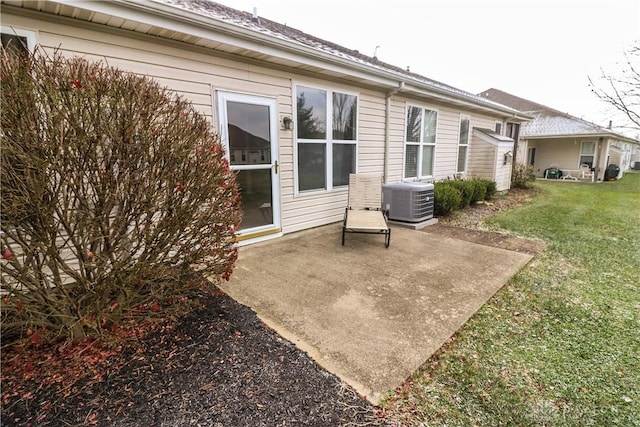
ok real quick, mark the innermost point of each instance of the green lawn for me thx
(559, 345)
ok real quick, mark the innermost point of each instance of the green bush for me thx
(479, 189)
(113, 189)
(465, 187)
(451, 195)
(491, 189)
(522, 176)
(447, 198)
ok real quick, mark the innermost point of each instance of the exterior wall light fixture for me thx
(287, 123)
(507, 157)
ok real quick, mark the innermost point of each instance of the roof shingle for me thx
(246, 20)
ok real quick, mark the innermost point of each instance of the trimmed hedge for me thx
(451, 195)
(447, 198)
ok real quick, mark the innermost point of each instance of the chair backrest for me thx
(586, 170)
(365, 191)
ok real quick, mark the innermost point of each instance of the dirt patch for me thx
(468, 224)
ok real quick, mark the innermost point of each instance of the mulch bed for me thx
(217, 366)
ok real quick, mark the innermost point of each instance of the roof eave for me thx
(180, 20)
(583, 135)
(487, 137)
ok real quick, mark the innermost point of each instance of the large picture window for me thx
(420, 142)
(326, 130)
(463, 144)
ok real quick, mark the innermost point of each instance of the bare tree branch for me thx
(622, 92)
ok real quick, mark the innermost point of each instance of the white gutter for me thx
(583, 136)
(172, 18)
(387, 129)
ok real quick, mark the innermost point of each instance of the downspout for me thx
(387, 129)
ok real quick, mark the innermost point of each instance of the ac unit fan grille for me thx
(408, 203)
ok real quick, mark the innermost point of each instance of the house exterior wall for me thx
(502, 171)
(198, 74)
(522, 151)
(447, 137)
(484, 159)
(635, 156)
(566, 153)
(488, 162)
(560, 151)
(626, 156)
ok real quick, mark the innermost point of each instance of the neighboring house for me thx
(556, 138)
(297, 114)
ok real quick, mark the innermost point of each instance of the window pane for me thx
(344, 163)
(255, 196)
(464, 131)
(587, 160)
(588, 147)
(311, 167)
(498, 127)
(344, 116)
(430, 120)
(414, 121)
(14, 43)
(462, 158)
(427, 160)
(513, 130)
(312, 113)
(249, 133)
(411, 161)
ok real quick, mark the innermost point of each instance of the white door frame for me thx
(271, 103)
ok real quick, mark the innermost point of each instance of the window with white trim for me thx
(420, 142)
(587, 152)
(17, 39)
(498, 128)
(326, 131)
(463, 144)
(513, 131)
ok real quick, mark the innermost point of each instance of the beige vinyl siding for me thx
(197, 73)
(487, 161)
(315, 208)
(482, 162)
(502, 173)
(523, 152)
(447, 143)
(446, 152)
(371, 123)
(397, 119)
(563, 152)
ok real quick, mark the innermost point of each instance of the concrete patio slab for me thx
(368, 314)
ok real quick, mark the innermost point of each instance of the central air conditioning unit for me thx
(408, 201)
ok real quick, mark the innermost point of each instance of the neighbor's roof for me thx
(549, 122)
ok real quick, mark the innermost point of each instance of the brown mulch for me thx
(217, 365)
